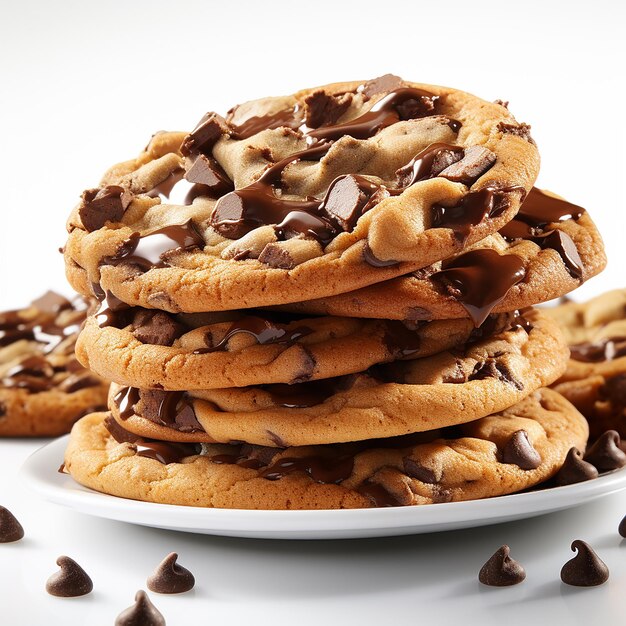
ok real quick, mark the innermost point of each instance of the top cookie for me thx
(301, 197)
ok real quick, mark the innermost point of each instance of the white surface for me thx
(347, 524)
(84, 84)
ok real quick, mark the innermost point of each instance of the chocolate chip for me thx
(428, 163)
(413, 469)
(614, 390)
(205, 135)
(100, 206)
(169, 577)
(323, 109)
(501, 570)
(586, 569)
(519, 451)
(414, 108)
(560, 241)
(575, 469)
(371, 259)
(143, 613)
(276, 439)
(605, 454)
(156, 327)
(3, 409)
(502, 103)
(621, 529)
(308, 366)
(70, 581)
(519, 130)
(347, 199)
(206, 171)
(382, 84)
(475, 162)
(492, 368)
(10, 529)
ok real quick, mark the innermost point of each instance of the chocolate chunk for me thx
(501, 570)
(575, 469)
(173, 409)
(169, 577)
(276, 439)
(382, 84)
(10, 529)
(622, 527)
(519, 130)
(413, 469)
(323, 109)
(502, 103)
(492, 368)
(206, 171)
(605, 454)
(347, 199)
(428, 163)
(142, 613)
(156, 327)
(475, 162)
(51, 302)
(205, 135)
(100, 206)
(586, 569)
(519, 451)
(560, 241)
(70, 581)
(371, 259)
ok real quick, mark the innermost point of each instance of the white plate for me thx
(40, 473)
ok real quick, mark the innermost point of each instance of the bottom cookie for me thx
(503, 453)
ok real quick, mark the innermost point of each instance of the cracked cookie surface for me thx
(43, 388)
(301, 197)
(515, 449)
(450, 387)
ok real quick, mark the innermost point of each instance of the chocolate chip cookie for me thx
(150, 348)
(451, 387)
(506, 452)
(595, 379)
(43, 388)
(549, 249)
(299, 197)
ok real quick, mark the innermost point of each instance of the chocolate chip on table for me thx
(169, 577)
(622, 527)
(575, 469)
(143, 613)
(605, 454)
(99, 206)
(70, 581)
(10, 529)
(586, 569)
(501, 570)
(519, 451)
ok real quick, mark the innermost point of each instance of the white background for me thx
(85, 84)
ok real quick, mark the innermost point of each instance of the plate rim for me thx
(260, 521)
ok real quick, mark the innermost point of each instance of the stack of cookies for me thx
(324, 301)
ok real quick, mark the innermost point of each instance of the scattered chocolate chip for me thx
(519, 130)
(99, 206)
(606, 454)
(519, 451)
(501, 570)
(156, 327)
(142, 613)
(205, 135)
(323, 109)
(70, 581)
(413, 469)
(348, 198)
(169, 577)
(575, 469)
(382, 84)
(621, 529)
(475, 162)
(586, 569)
(10, 529)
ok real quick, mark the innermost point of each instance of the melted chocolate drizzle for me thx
(263, 330)
(480, 280)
